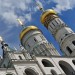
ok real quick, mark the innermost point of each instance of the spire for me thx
(22, 48)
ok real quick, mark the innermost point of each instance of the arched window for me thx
(73, 42)
(29, 71)
(69, 50)
(66, 34)
(67, 68)
(47, 63)
(35, 39)
(20, 57)
(53, 72)
(73, 62)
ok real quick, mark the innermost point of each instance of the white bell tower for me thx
(61, 32)
(33, 40)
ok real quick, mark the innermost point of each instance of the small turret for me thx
(4, 46)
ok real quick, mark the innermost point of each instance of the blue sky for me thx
(28, 12)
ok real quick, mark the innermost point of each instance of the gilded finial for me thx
(20, 22)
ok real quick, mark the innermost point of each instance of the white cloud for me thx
(9, 10)
(9, 17)
(64, 5)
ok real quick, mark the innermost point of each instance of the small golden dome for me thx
(47, 12)
(27, 29)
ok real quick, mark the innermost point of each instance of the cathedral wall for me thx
(31, 66)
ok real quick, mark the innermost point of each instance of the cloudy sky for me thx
(28, 12)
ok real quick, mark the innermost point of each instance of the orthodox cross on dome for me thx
(39, 4)
(21, 23)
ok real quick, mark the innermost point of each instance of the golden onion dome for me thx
(27, 29)
(47, 12)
